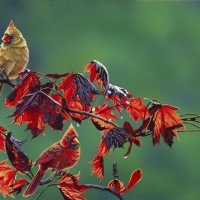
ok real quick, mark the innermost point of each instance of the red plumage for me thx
(62, 154)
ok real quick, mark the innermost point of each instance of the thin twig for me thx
(188, 131)
(190, 114)
(192, 124)
(8, 81)
(47, 78)
(28, 175)
(55, 184)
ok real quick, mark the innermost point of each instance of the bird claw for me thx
(5, 78)
(2, 70)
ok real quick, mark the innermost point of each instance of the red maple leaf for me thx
(98, 161)
(98, 166)
(164, 121)
(38, 109)
(71, 188)
(119, 185)
(99, 72)
(2, 139)
(78, 85)
(18, 185)
(7, 178)
(104, 111)
(137, 109)
(118, 96)
(30, 83)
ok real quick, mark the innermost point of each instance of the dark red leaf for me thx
(38, 109)
(134, 139)
(16, 156)
(129, 149)
(134, 179)
(116, 136)
(78, 85)
(99, 72)
(29, 84)
(118, 96)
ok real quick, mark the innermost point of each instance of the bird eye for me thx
(13, 36)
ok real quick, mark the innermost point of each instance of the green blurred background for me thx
(150, 48)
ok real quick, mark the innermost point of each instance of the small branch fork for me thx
(191, 119)
(97, 187)
(89, 186)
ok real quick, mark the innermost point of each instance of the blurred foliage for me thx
(151, 49)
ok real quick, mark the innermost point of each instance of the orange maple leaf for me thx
(71, 188)
(164, 121)
(7, 178)
(78, 105)
(104, 111)
(137, 109)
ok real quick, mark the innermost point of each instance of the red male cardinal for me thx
(14, 53)
(62, 154)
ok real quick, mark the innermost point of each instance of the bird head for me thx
(70, 138)
(12, 35)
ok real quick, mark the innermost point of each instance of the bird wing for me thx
(50, 154)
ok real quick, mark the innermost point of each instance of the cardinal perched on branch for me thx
(14, 53)
(62, 154)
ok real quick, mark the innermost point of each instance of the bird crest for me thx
(11, 25)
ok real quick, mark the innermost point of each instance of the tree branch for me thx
(97, 187)
(5, 78)
(91, 115)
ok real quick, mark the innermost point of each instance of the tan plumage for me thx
(14, 53)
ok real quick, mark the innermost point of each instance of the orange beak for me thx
(75, 141)
(6, 38)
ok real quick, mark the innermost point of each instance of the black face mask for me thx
(71, 145)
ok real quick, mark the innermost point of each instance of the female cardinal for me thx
(14, 53)
(62, 154)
